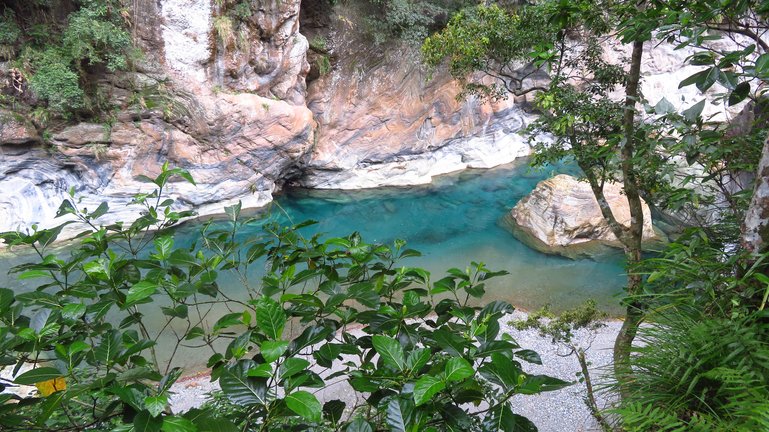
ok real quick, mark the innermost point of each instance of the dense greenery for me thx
(408, 20)
(681, 162)
(56, 57)
(423, 356)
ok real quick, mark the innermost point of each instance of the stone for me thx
(561, 216)
(16, 130)
(382, 121)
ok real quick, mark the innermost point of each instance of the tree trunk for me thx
(755, 233)
(633, 236)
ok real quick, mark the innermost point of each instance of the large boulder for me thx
(561, 216)
(16, 130)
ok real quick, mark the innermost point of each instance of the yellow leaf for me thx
(47, 388)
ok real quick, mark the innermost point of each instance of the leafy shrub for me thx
(408, 20)
(701, 373)
(422, 357)
(9, 30)
(55, 82)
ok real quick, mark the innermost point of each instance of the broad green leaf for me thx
(390, 350)
(140, 291)
(664, 107)
(417, 359)
(37, 375)
(740, 93)
(333, 410)
(73, 311)
(359, 424)
(145, 422)
(305, 404)
(502, 419)
(692, 113)
(399, 415)
(272, 350)
(293, 366)
(240, 388)
(177, 424)
(762, 65)
(529, 355)
(270, 317)
(426, 387)
(458, 369)
(156, 404)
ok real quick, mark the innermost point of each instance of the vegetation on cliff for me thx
(56, 46)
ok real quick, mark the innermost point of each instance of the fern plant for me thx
(699, 373)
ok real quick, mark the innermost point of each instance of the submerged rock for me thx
(561, 216)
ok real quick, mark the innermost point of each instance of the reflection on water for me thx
(453, 221)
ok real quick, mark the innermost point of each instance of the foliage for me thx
(9, 30)
(58, 56)
(408, 20)
(700, 373)
(422, 353)
(55, 82)
(560, 327)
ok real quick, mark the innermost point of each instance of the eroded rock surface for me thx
(176, 108)
(381, 121)
(561, 216)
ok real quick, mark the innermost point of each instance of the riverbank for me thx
(559, 411)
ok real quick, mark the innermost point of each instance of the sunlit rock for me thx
(561, 216)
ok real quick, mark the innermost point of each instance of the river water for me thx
(453, 221)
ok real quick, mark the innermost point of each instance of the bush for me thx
(700, 373)
(423, 355)
(55, 82)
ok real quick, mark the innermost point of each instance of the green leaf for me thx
(73, 311)
(270, 317)
(140, 291)
(740, 93)
(502, 419)
(692, 113)
(156, 404)
(240, 388)
(293, 366)
(399, 414)
(711, 77)
(359, 424)
(272, 350)
(664, 107)
(529, 355)
(37, 375)
(333, 410)
(145, 422)
(100, 211)
(305, 404)
(762, 65)
(417, 359)
(458, 369)
(426, 387)
(390, 351)
(177, 424)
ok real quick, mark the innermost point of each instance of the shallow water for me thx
(453, 221)
(456, 220)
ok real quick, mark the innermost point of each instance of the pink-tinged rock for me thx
(561, 216)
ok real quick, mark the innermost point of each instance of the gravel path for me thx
(557, 411)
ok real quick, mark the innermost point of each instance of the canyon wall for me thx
(234, 109)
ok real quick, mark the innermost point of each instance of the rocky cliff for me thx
(229, 102)
(234, 116)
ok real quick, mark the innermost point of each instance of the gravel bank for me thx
(558, 411)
